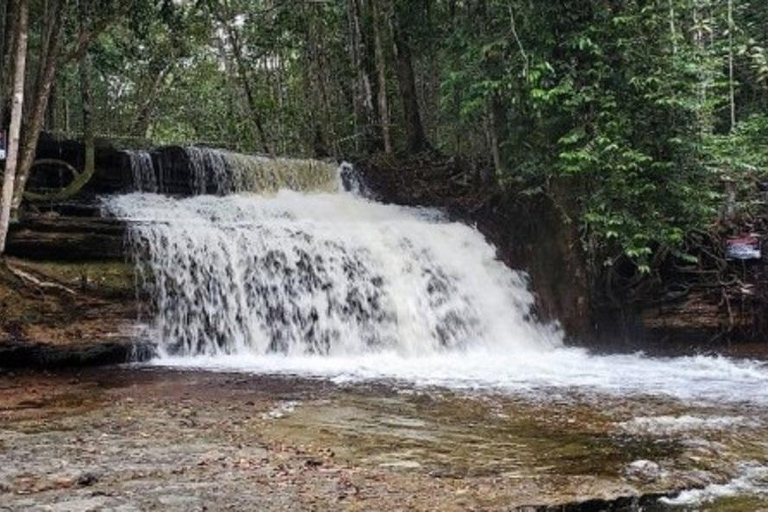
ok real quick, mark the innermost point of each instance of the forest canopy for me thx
(646, 106)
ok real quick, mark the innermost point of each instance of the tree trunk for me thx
(363, 91)
(381, 75)
(9, 44)
(242, 69)
(40, 102)
(416, 140)
(50, 112)
(86, 98)
(492, 139)
(672, 27)
(143, 116)
(731, 85)
(12, 160)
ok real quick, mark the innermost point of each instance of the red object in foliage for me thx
(743, 248)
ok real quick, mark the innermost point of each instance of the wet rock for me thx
(179, 501)
(645, 471)
(79, 505)
(87, 479)
(401, 464)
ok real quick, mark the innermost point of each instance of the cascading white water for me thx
(216, 171)
(221, 172)
(142, 171)
(322, 274)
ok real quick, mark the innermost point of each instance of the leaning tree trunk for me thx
(242, 68)
(363, 92)
(143, 116)
(416, 139)
(20, 63)
(43, 87)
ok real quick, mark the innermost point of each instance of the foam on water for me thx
(672, 425)
(751, 480)
(541, 373)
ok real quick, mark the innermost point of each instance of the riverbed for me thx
(156, 438)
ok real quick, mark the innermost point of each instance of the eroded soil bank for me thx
(156, 439)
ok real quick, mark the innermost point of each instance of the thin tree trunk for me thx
(314, 87)
(249, 96)
(363, 90)
(65, 97)
(493, 145)
(381, 75)
(41, 97)
(50, 113)
(143, 115)
(86, 98)
(731, 85)
(416, 140)
(20, 62)
(672, 27)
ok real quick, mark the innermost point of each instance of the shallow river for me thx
(157, 438)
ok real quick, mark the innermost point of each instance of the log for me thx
(43, 237)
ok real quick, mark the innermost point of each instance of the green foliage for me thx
(627, 100)
(630, 101)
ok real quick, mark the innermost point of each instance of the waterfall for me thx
(205, 170)
(142, 171)
(332, 283)
(208, 166)
(328, 273)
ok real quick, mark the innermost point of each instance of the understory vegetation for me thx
(652, 109)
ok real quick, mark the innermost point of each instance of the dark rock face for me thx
(112, 172)
(38, 354)
(538, 236)
(67, 238)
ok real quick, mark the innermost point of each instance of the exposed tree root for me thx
(33, 280)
